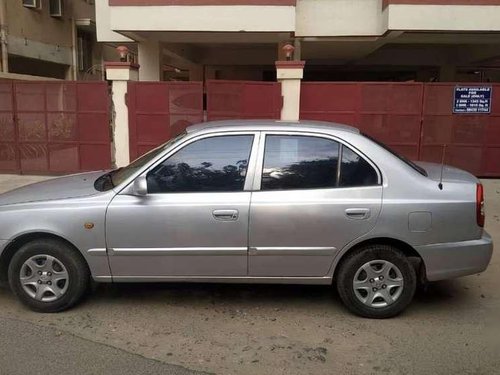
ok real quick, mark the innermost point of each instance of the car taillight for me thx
(480, 205)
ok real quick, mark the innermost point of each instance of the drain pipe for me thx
(3, 37)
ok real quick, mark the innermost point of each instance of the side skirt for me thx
(324, 280)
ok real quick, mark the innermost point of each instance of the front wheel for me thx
(48, 276)
(376, 281)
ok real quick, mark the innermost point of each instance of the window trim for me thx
(260, 159)
(249, 178)
(59, 14)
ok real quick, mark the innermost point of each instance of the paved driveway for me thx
(241, 329)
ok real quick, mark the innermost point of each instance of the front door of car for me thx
(193, 220)
(313, 195)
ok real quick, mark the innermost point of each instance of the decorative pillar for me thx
(289, 74)
(119, 73)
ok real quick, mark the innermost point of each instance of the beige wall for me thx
(38, 25)
(35, 35)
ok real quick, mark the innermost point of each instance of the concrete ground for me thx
(453, 328)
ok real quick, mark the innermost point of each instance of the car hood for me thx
(450, 174)
(73, 186)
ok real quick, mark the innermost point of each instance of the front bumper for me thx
(455, 259)
(3, 268)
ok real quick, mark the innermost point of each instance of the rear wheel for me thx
(376, 281)
(48, 276)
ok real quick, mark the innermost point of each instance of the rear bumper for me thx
(455, 259)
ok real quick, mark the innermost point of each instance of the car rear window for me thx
(399, 156)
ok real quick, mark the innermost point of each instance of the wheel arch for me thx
(408, 250)
(15, 244)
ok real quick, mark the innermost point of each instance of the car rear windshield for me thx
(400, 157)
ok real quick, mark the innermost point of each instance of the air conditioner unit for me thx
(30, 3)
(55, 8)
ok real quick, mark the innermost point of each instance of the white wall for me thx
(339, 18)
(444, 17)
(202, 18)
(104, 32)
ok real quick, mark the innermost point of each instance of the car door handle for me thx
(358, 213)
(225, 215)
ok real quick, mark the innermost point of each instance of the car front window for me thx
(215, 164)
(118, 176)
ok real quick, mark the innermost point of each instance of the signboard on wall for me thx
(472, 99)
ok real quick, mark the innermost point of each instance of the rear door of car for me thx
(313, 194)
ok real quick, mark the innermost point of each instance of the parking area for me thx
(453, 327)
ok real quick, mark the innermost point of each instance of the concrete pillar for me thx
(150, 59)
(289, 74)
(120, 73)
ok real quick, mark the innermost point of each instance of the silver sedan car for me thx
(249, 202)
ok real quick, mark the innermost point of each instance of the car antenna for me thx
(440, 186)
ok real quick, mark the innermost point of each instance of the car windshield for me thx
(399, 156)
(117, 176)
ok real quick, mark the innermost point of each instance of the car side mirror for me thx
(140, 186)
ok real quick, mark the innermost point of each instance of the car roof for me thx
(303, 125)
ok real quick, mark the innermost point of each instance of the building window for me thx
(84, 51)
(34, 4)
(55, 8)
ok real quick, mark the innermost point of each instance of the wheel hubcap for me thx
(378, 283)
(44, 278)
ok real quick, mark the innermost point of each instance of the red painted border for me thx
(200, 2)
(441, 2)
(120, 64)
(290, 64)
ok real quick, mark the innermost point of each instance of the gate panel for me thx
(9, 159)
(473, 140)
(94, 132)
(54, 127)
(159, 111)
(243, 100)
(389, 112)
(328, 101)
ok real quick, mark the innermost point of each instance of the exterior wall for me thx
(443, 17)
(38, 25)
(339, 17)
(39, 44)
(307, 18)
(203, 18)
(104, 31)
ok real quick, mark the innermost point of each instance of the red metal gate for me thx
(159, 111)
(415, 119)
(54, 127)
(390, 112)
(243, 100)
(473, 140)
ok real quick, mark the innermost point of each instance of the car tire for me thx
(376, 281)
(48, 275)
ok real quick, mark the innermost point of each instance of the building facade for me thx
(51, 39)
(341, 40)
